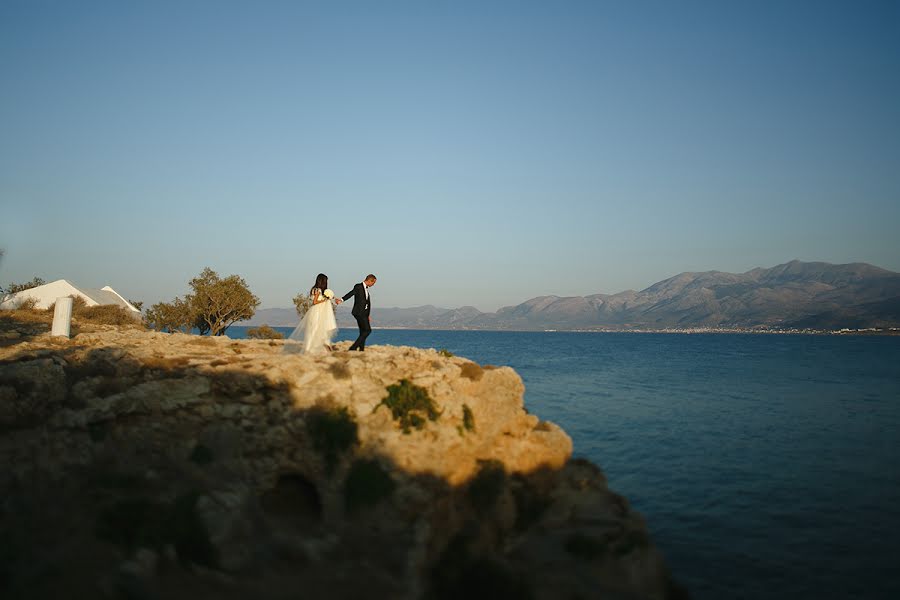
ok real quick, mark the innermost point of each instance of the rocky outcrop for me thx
(148, 465)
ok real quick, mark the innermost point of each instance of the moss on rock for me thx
(410, 405)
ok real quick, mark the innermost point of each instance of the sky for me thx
(467, 153)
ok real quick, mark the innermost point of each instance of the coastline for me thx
(893, 331)
(237, 468)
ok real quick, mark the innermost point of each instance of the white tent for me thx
(47, 294)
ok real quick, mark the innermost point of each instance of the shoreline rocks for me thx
(141, 464)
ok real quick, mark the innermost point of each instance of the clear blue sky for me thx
(466, 152)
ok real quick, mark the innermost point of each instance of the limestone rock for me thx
(214, 467)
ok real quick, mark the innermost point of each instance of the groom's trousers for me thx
(364, 330)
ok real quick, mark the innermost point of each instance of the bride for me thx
(318, 327)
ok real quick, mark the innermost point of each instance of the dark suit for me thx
(361, 311)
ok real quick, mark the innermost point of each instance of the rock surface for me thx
(150, 465)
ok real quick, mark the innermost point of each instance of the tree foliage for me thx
(214, 306)
(170, 316)
(219, 303)
(14, 288)
(302, 302)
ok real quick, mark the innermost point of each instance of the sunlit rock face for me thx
(149, 465)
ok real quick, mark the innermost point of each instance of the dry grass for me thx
(108, 314)
(24, 315)
(78, 304)
(27, 304)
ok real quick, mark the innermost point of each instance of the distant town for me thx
(681, 330)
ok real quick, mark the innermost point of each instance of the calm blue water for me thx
(767, 466)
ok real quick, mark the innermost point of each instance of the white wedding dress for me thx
(317, 328)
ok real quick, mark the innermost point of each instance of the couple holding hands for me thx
(318, 326)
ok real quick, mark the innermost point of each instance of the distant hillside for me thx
(426, 317)
(796, 294)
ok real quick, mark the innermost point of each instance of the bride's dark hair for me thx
(321, 283)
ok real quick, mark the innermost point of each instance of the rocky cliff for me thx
(148, 465)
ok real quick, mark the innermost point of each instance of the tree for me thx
(170, 316)
(138, 304)
(14, 288)
(302, 302)
(214, 305)
(218, 303)
(199, 323)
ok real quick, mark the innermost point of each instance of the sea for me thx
(766, 466)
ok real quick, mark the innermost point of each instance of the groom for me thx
(361, 310)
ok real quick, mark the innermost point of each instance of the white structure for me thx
(62, 317)
(46, 294)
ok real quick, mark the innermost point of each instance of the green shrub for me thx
(409, 404)
(366, 485)
(264, 332)
(468, 418)
(332, 431)
(445, 353)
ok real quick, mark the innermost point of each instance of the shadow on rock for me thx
(173, 476)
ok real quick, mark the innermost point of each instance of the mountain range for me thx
(797, 294)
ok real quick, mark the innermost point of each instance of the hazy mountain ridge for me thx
(794, 294)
